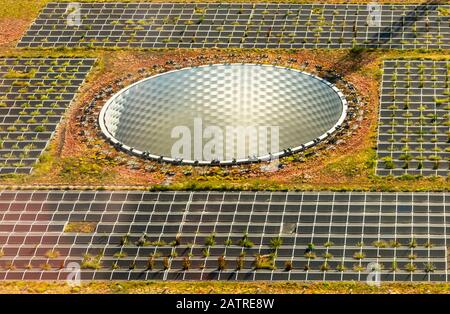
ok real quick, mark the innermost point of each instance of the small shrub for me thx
(142, 240)
(245, 242)
(157, 243)
(264, 262)
(394, 266)
(428, 244)
(166, 263)
(380, 244)
(328, 244)
(52, 254)
(221, 263)
(125, 240)
(310, 247)
(275, 243)
(150, 263)
(395, 244)
(120, 254)
(413, 243)
(210, 240)
(325, 267)
(359, 255)
(39, 128)
(411, 267)
(429, 267)
(358, 268)
(288, 265)
(20, 75)
(173, 254)
(91, 262)
(388, 162)
(310, 255)
(186, 263)
(341, 267)
(85, 166)
(240, 262)
(46, 266)
(177, 241)
(80, 227)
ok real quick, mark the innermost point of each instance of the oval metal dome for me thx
(272, 110)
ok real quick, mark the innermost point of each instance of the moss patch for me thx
(80, 227)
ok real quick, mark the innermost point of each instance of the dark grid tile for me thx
(223, 25)
(414, 118)
(349, 230)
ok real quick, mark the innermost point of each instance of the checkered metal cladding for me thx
(301, 106)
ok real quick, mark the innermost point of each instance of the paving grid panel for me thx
(266, 25)
(348, 228)
(414, 134)
(34, 94)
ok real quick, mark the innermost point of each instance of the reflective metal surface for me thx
(302, 107)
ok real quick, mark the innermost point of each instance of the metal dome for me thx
(299, 108)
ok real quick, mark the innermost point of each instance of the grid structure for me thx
(34, 93)
(414, 134)
(266, 25)
(154, 235)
